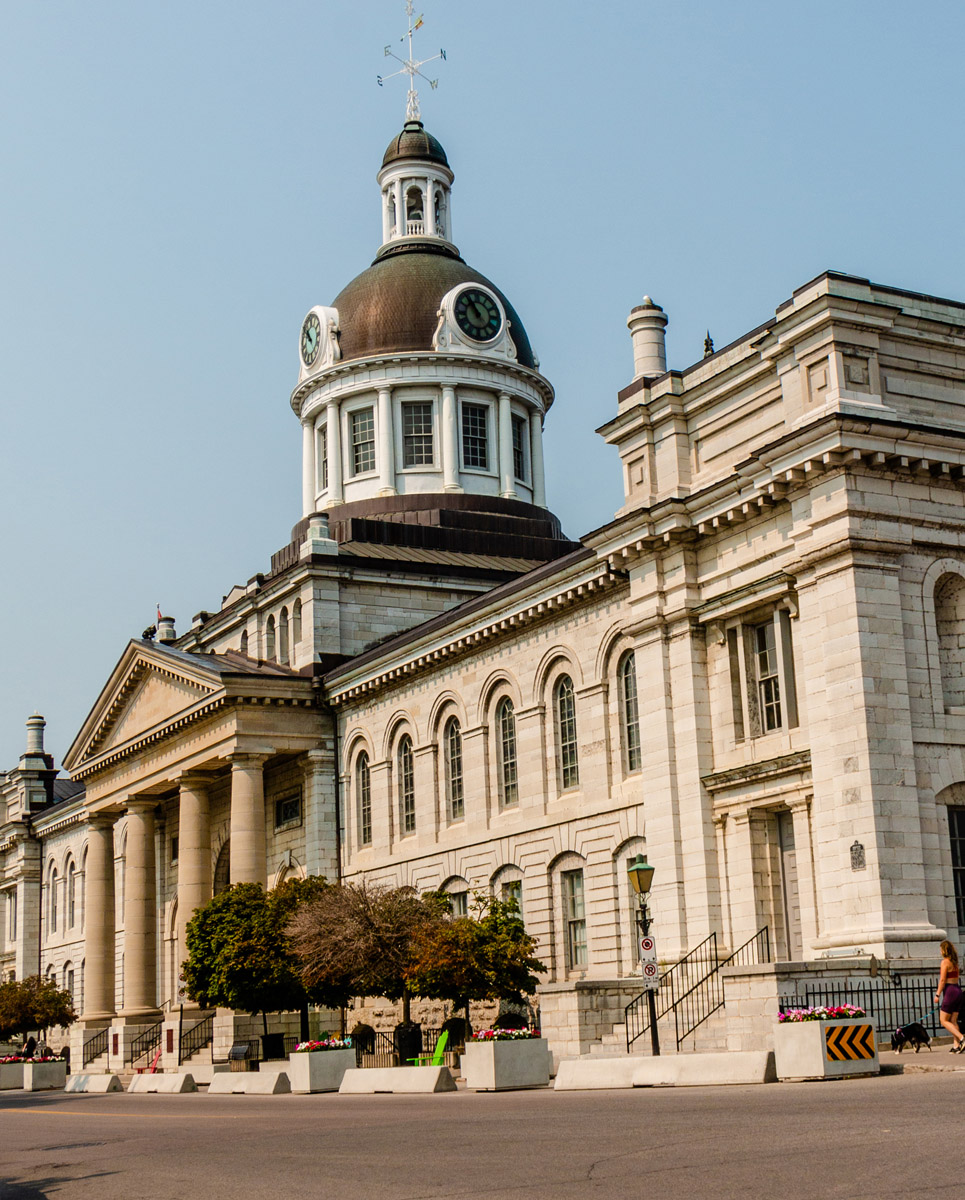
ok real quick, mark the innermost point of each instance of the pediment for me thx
(154, 700)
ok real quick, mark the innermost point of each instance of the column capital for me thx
(141, 804)
(102, 821)
(195, 779)
(799, 803)
(248, 758)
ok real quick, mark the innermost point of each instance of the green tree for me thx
(239, 953)
(33, 1003)
(485, 956)
(359, 936)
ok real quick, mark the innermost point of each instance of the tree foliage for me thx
(240, 956)
(33, 1003)
(485, 956)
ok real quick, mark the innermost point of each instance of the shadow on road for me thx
(39, 1189)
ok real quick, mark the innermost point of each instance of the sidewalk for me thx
(938, 1058)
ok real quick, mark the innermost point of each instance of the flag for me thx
(417, 25)
(159, 617)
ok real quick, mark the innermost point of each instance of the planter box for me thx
(319, 1070)
(39, 1076)
(826, 1049)
(11, 1076)
(502, 1066)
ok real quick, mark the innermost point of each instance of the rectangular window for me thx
(363, 787)
(288, 812)
(174, 851)
(574, 915)
(475, 444)
(460, 903)
(362, 425)
(322, 459)
(768, 683)
(13, 915)
(417, 435)
(520, 427)
(762, 685)
(512, 889)
(956, 832)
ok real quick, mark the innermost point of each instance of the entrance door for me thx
(789, 888)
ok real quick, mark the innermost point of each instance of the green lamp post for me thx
(640, 873)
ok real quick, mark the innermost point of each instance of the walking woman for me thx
(949, 995)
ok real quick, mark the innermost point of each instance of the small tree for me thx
(33, 1003)
(359, 936)
(486, 956)
(240, 956)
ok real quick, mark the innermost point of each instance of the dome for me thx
(414, 142)
(394, 305)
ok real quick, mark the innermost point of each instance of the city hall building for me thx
(753, 674)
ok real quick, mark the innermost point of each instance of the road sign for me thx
(651, 976)
(648, 948)
(846, 1042)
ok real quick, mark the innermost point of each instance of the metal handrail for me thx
(144, 1044)
(95, 1046)
(706, 996)
(635, 1015)
(199, 1035)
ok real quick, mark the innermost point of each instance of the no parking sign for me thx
(648, 948)
(651, 976)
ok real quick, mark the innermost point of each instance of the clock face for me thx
(311, 338)
(477, 315)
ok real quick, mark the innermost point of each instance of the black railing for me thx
(199, 1035)
(145, 1044)
(381, 1054)
(889, 1003)
(677, 979)
(95, 1046)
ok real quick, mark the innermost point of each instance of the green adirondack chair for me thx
(435, 1059)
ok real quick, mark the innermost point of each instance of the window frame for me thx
(424, 464)
(362, 780)
(566, 733)
(291, 821)
(575, 939)
(956, 842)
(521, 451)
(352, 416)
(763, 702)
(453, 764)
(507, 765)
(629, 703)
(486, 409)
(405, 782)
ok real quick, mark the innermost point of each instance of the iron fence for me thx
(145, 1044)
(95, 1046)
(889, 1003)
(196, 1038)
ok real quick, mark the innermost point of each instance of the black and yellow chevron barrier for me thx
(848, 1042)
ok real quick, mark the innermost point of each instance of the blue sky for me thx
(181, 182)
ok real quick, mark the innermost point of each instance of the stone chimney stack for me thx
(35, 735)
(647, 324)
(165, 630)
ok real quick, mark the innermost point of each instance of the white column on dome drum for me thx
(506, 448)
(99, 918)
(140, 911)
(450, 441)
(334, 453)
(430, 213)
(247, 819)
(386, 218)
(536, 457)
(386, 444)
(308, 468)
(399, 209)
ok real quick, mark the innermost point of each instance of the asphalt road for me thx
(877, 1138)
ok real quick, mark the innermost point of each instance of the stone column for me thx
(334, 453)
(321, 850)
(400, 221)
(247, 818)
(450, 441)
(536, 457)
(194, 853)
(386, 223)
(386, 444)
(742, 876)
(804, 862)
(99, 919)
(430, 214)
(140, 913)
(308, 468)
(506, 473)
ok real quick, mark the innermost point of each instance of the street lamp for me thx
(641, 880)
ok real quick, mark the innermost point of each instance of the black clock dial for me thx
(477, 315)
(311, 338)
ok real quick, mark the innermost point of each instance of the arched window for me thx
(222, 869)
(363, 798)
(69, 982)
(506, 752)
(270, 638)
(71, 895)
(950, 619)
(406, 776)
(52, 885)
(414, 211)
(283, 636)
(455, 797)
(564, 706)
(244, 642)
(629, 712)
(296, 623)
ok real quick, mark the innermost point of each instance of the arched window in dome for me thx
(414, 211)
(270, 638)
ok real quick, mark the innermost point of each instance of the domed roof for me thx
(394, 305)
(414, 142)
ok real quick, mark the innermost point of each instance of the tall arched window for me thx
(270, 638)
(71, 895)
(950, 619)
(564, 705)
(52, 886)
(455, 797)
(629, 712)
(244, 642)
(283, 636)
(506, 752)
(363, 798)
(406, 776)
(69, 982)
(296, 623)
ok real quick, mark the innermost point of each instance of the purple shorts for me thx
(951, 998)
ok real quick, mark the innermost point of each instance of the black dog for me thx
(914, 1034)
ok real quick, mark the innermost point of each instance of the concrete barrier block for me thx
(706, 1070)
(357, 1081)
(250, 1083)
(590, 1074)
(93, 1083)
(163, 1084)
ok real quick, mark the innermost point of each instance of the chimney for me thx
(165, 630)
(35, 735)
(647, 323)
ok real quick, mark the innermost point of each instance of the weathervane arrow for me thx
(410, 66)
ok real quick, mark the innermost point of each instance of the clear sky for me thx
(182, 181)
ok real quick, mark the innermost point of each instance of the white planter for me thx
(502, 1066)
(39, 1076)
(11, 1076)
(319, 1070)
(826, 1049)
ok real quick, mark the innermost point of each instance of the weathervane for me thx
(410, 67)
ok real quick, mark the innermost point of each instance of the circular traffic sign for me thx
(650, 970)
(646, 945)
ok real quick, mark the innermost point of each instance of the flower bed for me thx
(319, 1066)
(324, 1044)
(825, 1043)
(821, 1012)
(498, 1060)
(504, 1035)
